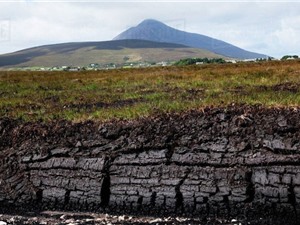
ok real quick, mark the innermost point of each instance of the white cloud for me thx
(286, 36)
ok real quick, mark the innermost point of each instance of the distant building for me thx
(230, 61)
(162, 63)
(74, 69)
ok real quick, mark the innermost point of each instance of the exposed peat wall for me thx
(235, 161)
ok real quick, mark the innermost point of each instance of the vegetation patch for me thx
(132, 93)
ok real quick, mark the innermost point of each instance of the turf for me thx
(133, 93)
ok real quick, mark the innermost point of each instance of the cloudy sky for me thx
(268, 27)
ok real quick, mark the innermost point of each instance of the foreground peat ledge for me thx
(225, 162)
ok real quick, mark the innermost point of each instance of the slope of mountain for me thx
(84, 53)
(156, 31)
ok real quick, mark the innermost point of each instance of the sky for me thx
(268, 27)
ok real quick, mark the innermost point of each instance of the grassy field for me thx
(132, 93)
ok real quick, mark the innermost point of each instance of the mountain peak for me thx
(150, 30)
(151, 22)
(153, 30)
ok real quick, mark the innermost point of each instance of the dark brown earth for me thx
(213, 166)
(287, 86)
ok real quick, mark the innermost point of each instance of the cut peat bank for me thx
(234, 162)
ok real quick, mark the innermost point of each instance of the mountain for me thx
(156, 31)
(84, 53)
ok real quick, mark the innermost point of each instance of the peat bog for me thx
(134, 93)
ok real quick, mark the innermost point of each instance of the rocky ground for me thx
(233, 165)
(71, 218)
(76, 218)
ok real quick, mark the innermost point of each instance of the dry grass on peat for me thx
(133, 93)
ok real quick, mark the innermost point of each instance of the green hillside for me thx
(84, 53)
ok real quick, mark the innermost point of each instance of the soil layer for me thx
(235, 163)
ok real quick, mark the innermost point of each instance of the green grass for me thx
(133, 93)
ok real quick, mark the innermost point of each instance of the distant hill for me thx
(156, 31)
(117, 51)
